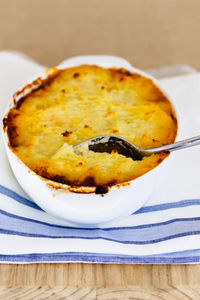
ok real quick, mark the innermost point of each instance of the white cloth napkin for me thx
(166, 230)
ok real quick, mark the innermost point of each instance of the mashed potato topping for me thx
(83, 102)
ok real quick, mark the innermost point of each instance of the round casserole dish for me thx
(80, 204)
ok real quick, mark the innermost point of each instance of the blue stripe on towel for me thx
(170, 237)
(188, 256)
(138, 235)
(165, 206)
(98, 228)
(184, 203)
(11, 194)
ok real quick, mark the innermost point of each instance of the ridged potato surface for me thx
(83, 102)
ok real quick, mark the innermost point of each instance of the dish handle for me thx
(105, 61)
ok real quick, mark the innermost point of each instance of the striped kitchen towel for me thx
(166, 230)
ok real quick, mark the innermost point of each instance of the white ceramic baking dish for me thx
(88, 209)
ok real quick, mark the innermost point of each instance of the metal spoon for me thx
(108, 143)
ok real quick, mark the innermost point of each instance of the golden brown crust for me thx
(74, 104)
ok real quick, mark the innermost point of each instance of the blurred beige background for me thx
(149, 33)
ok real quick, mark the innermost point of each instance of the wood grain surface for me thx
(89, 281)
(150, 34)
(99, 275)
(99, 293)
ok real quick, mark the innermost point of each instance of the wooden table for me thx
(150, 34)
(89, 281)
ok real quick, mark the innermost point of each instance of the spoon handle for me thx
(178, 145)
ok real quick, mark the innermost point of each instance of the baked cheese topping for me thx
(83, 102)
